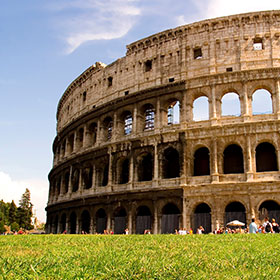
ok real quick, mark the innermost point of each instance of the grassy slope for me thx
(140, 257)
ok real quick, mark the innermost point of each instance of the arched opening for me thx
(270, 209)
(85, 222)
(80, 137)
(233, 159)
(55, 229)
(145, 168)
(202, 217)
(73, 223)
(171, 163)
(105, 175)
(124, 171)
(230, 104)
(170, 218)
(143, 219)
(120, 221)
(107, 128)
(58, 185)
(63, 223)
(235, 211)
(92, 133)
(87, 177)
(173, 113)
(201, 162)
(261, 102)
(66, 182)
(127, 123)
(201, 109)
(75, 180)
(266, 159)
(101, 221)
(149, 117)
(71, 143)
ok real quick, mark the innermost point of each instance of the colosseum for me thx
(183, 131)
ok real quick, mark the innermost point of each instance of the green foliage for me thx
(234, 256)
(15, 217)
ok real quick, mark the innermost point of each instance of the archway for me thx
(270, 209)
(63, 223)
(173, 113)
(202, 217)
(101, 221)
(170, 218)
(233, 159)
(235, 211)
(143, 219)
(120, 221)
(201, 109)
(231, 104)
(85, 221)
(55, 231)
(73, 223)
(145, 168)
(171, 163)
(124, 171)
(261, 102)
(266, 158)
(201, 162)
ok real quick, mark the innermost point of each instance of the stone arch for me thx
(149, 117)
(87, 174)
(173, 112)
(266, 159)
(107, 128)
(120, 220)
(235, 211)
(73, 223)
(92, 129)
(171, 163)
(143, 219)
(126, 122)
(63, 219)
(66, 181)
(202, 217)
(262, 102)
(102, 171)
(123, 170)
(80, 137)
(170, 218)
(230, 104)
(85, 221)
(270, 209)
(233, 159)
(75, 180)
(201, 108)
(145, 167)
(101, 220)
(201, 162)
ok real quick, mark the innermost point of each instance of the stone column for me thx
(156, 177)
(109, 221)
(157, 115)
(183, 110)
(91, 226)
(70, 181)
(67, 225)
(98, 132)
(155, 226)
(81, 185)
(78, 223)
(215, 171)
(110, 175)
(131, 170)
(277, 103)
(115, 129)
(129, 224)
(135, 120)
(184, 212)
(249, 173)
(213, 107)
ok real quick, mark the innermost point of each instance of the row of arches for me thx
(143, 170)
(152, 115)
(170, 218)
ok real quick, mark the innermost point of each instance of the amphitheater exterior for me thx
(133, 150)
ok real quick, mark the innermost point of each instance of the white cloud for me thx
(12, 190)
(88, 20)
(217, 8)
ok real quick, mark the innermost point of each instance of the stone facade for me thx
(130, 152)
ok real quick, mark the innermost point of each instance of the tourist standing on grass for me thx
(275, 226)
(200, 230)
(253, 228)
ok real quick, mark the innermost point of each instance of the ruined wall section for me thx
(204, 48)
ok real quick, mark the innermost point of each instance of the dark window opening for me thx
(63, 223)
(120, 221)
(126, 92)
(110, 81)
(66, 182)
(73, 223)
(148, 65)
(81, 137)
(93, 133)
(233, 159)
(105, 175)
(201, 162)
(197, 53)
(145, 168)
(266, 159)
(229, 69)
(84, 96)
(75, 180)
(85, 222)
(71, 143)
(171, 80)
(171, 163)
(87, 177)
(101, 221)
(124, 172)
(143, 219)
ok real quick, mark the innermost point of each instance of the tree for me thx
(12, 213)
(25, 211)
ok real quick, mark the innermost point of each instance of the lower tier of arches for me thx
(162, 212)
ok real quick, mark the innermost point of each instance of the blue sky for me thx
(44, 45)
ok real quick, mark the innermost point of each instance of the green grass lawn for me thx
(140, 257)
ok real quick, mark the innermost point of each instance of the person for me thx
(253, 228)
(267, 226)
(200, 230)
(126, 231)
(275, 226)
